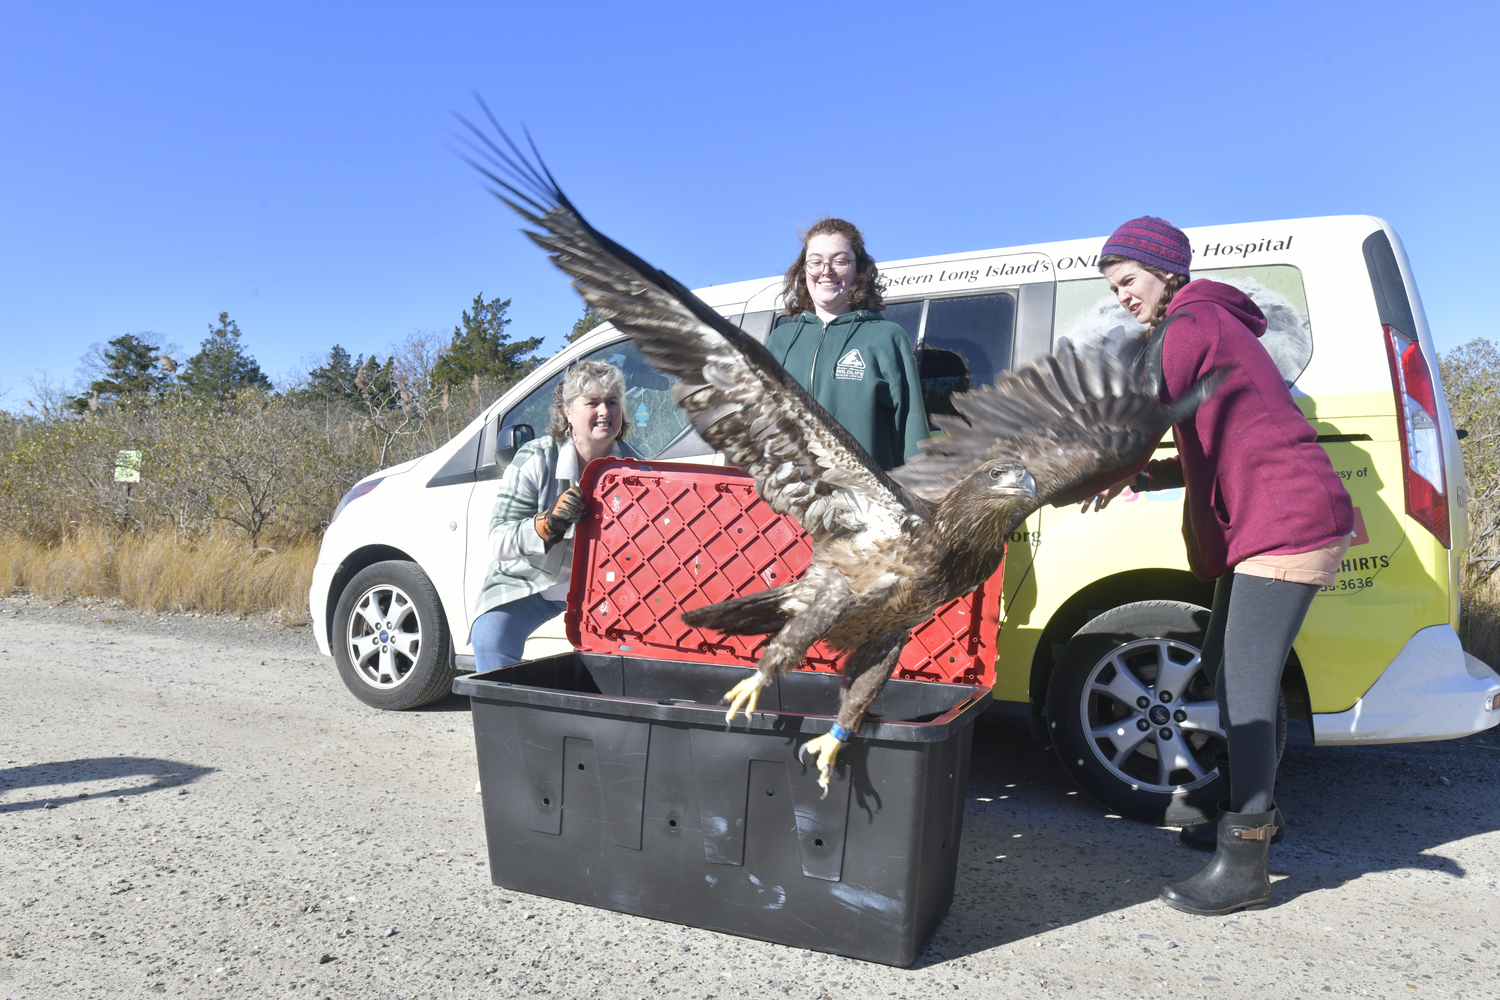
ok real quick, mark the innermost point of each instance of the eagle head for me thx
(1007, 481)
(993, 498)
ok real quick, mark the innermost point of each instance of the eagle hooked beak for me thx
(1017, 482)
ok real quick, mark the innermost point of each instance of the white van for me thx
(1099, 612)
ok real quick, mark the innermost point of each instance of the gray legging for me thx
(1250, 634)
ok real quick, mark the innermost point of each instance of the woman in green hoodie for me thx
(857, 364)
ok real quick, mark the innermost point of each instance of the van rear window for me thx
(978, 329)
(1086, 310)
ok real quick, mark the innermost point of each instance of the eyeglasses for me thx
(840, 265)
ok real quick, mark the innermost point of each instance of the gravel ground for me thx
(196, 806)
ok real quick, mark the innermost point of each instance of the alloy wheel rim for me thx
(384, 637)
(1150, 717)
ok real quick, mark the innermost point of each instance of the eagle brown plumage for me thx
(888, 548)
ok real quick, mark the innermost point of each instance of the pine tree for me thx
(221, 365)
(584, 323)
(481, 347)
(130, 373)
(334, 379)
(376, 383)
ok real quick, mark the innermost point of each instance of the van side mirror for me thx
(509, 441)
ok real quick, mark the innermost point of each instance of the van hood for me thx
(1226, 297)
(396, 470)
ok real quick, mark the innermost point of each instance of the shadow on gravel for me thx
(1358, 810)
(1038, 854)
(451, 703)
(162, 774)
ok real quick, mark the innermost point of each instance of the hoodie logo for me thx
(850, 366)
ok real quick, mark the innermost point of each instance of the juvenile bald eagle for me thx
(888, 548)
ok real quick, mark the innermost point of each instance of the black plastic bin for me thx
(614, 781)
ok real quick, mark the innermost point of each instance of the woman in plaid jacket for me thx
(539, 502)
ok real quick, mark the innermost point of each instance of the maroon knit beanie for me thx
(1151, 241)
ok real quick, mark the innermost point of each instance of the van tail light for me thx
(1421, 440)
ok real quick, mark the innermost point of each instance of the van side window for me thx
(1278, 290)
(1086, 310)
(966, 343)
(908, 316)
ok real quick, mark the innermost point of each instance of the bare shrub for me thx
(269, 468)
(234, 491)
(1471, 381)
(272, 466)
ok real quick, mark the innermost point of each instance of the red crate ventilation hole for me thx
(663, 538)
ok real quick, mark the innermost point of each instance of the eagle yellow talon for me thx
(827, 749)
(744, 695)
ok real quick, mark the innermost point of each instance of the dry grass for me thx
(1481, 618)
(160, 571)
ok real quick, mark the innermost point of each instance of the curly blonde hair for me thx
(865, 293)
(576, 382)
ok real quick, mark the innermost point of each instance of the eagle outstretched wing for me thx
(1074, 418)
(735, 394)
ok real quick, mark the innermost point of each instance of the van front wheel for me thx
(1132, 715)
(390, 638)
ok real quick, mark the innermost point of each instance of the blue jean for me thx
(500, 634)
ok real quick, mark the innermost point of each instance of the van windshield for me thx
(655, 421)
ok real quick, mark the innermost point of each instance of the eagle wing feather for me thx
(1069, 418)
(735, 394)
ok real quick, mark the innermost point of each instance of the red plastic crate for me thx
(663, 538)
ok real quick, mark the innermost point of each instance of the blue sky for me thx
(291, 163)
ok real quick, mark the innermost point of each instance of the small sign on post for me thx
(128, 467)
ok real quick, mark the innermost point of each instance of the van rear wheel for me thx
(1132, 715)
(390, 637)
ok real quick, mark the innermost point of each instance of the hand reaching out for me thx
(1101, 500)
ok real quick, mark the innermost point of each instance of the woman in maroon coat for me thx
(1266, 516)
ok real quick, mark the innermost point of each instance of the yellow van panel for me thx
(1059, 552)
(1394, 580)
(1350, 404)
(1020, 626)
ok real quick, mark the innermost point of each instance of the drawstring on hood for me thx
(856, 316)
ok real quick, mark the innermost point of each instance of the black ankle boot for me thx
(1205, 836)
(1236, 878)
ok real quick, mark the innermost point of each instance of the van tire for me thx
(415, 667)
(1083, 697)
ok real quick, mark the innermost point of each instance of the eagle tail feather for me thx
(760, 613)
